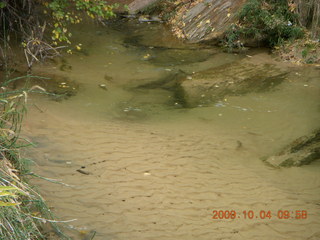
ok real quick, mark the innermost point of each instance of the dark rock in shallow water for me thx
(302, 151)
(230, 79)
(65, 67)
(108, 78)
(168, 82)
(171, 82)
(174, 57)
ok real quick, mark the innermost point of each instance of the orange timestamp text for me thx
(262, 214)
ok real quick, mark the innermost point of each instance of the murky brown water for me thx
(158, 171)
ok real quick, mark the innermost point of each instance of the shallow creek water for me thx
(156, 170)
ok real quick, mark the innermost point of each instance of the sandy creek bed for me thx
(160, 175)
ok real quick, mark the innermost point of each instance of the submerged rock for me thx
(108, 78)
(302, 151)
(171, 82)
(168, 82)
(230, 79)
(174, 57)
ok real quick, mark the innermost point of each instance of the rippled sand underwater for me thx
(161, 172)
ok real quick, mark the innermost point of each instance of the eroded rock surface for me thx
(205, 19)
(196, 21)
(302, 151)
(138, 5)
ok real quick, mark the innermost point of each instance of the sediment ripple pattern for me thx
(150, 183)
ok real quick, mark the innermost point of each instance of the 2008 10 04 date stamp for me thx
(262, 214)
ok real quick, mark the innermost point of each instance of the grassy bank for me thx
(23, 212)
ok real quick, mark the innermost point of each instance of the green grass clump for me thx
(268, 21)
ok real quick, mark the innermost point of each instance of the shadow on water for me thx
(171, 83)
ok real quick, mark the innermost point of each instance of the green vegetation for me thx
(267, 21)
(309, 53)
(302, 50)
(64, 12)
(41, 26)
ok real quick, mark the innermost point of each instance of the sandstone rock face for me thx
(230, 79)
(196, 21)
(138, 5)
(302, 151)
(205, 19)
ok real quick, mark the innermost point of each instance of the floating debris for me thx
(149, 19)
(83, 172)
(146, 57)
(220, 104)
(103, 86)
(130, 109)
